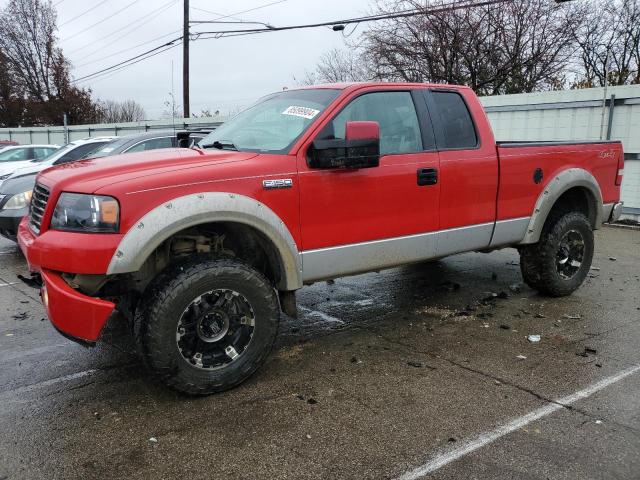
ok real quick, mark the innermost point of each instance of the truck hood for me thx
(90, 175)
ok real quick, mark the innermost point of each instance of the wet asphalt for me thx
(380, 374)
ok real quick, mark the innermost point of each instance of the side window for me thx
(455, 119)
(151, 144)
(394, 111)
(41, 152)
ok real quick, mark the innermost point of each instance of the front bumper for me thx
(71, 312)
(9, 222)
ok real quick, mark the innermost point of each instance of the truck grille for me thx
(38, 205)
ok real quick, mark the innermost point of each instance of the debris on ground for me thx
(587, 351)
(153, 440)
(539, 315)
(451, 439)
(355, 359)
(505, 327)
(572, 317)
(312, 401)
(595, 269)
(415, 364)
(613, 259)
(521, 357)
(20, 316)
(534, 338)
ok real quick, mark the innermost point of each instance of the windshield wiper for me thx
(221, 145)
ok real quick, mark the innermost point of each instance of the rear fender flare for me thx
(559, 184)
(190, 210)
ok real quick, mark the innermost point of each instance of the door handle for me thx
(427, 176)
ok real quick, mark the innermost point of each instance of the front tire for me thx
(560, 261)
(207, 325)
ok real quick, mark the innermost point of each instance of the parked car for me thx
(16, 188)
(143, 142)
(7, 143)
(204, 247)
(14, 157)
(15, 191)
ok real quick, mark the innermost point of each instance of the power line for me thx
(126, 49)
(218, 15)
(82, 14)
(102, 21)
(173, 43)
(371, 18)
(243, 11)
(110, 73)
(91, 75)
(146, 18)
(454, 5)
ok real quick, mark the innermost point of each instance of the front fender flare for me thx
(563, 181)
(183, 212)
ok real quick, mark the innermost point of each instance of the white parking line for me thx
(486, 438)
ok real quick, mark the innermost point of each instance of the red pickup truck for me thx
(201, 249)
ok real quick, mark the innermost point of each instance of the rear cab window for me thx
(452, 120)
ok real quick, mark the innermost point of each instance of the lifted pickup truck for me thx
(200, 249)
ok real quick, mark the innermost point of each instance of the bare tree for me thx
(126, 111)
(337, 66)
(519, 46)
(609, 41)
(37, 66)
(131, 111)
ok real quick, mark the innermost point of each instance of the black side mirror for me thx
(359, 149)
(183, 139)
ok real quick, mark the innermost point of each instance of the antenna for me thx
(173, 102)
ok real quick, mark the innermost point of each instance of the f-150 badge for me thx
(277, 183)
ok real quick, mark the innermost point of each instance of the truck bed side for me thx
(533, 175)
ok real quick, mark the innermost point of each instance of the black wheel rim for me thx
(215, 329)
(570, 254)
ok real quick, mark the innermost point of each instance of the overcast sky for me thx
(225, 73)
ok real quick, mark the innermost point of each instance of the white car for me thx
(14, 157)
(70, 152)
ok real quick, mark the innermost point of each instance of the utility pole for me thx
(185, 60)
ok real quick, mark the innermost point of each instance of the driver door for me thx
(350, 216)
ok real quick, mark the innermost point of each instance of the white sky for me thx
(225, 73)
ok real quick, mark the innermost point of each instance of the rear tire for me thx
(207, 325)
(560, 261)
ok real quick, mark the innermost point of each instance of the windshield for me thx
(109, 148)
(272, 124)
(60, 151)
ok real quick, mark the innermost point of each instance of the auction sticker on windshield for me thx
(304, 112)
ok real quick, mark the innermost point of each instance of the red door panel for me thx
(339, 207)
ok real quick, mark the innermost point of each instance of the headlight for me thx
(18, 201)
(79, 212)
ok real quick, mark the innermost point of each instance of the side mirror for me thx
(359, 149)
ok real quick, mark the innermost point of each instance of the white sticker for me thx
(304, 112)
